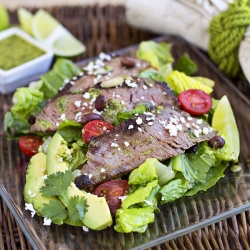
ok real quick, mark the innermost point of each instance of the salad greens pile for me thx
(153, 183)
(29, 101)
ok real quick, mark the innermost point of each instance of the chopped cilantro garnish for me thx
(55, 211)
(77, 208)
(57, 185)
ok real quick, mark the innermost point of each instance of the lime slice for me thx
(25, 19)
(4, 18)
(223, 120)
(67, 46)
(43, 24)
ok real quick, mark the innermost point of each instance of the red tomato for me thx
(195, 101)
(29, 144)
(111, 190)
(95, 128)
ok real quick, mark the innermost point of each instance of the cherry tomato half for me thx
(111, 190)
(95, 128)
(29, 144)
(195, 101)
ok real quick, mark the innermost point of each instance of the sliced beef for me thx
(94, 72)
(123, 149)
(75, 107)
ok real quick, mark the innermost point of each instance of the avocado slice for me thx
(34, 180)
(98, 215)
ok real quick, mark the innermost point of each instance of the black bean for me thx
(216, 142)
(126, 62)
(31, 119)
(90, 117)
(100, 102)
(191, 150)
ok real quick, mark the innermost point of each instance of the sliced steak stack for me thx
(75, 107)
(103, 68)
(123, 149)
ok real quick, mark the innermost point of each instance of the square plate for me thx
(230, 196)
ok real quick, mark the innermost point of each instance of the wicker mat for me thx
(104, 29)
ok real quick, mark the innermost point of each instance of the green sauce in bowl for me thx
(15, 51)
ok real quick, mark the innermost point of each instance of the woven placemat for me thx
(105, 29)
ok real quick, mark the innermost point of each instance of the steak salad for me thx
(111, 142)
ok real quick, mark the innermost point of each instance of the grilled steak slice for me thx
(100, 70)
(75, 107)
(123, 149)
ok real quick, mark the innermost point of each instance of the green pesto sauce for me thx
(15, 51)
(61, 104)
(43, 124)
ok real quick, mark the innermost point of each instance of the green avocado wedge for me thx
(98, 214)
(35, 175)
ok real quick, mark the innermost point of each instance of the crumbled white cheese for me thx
(205, 131)
(104, 56)
(142, 97)
(199, 121)
(131, 84)
(72, 82)
(114, 145)
(45, 177)
(29, 206)
(102, 170)
(47, 222)
(126, 143)
(78, 103)
(81, 74)
(139, 120)
(196, 133)
(150, 123)
(139, 129)
(130, 126)
(62, 117)
(182, 120)
(86, 95)
(190, 118)
(84, 228)
(66, 81)
(97, 112)
(90, 176)
(144, 87)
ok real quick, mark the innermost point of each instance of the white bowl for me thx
(22, 75)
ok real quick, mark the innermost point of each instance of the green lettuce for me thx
(26, 102)
(186, 65)
(158, 54)
(213, 175)
(173, 190)
(133, 219)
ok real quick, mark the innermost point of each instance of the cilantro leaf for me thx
(55, 211)
(57, 185)
(77, 207)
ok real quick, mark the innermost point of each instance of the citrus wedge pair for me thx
(46, 28)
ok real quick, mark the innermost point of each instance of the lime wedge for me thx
(25, 19)
(223, 120)
(43, 24)
(4, 18)
(67, 46)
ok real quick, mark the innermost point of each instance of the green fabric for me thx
(226, 32)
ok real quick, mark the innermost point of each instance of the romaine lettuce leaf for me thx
(157, 54)
(179, 82)
(213, 175)
(186, 65)
(133, 219)
(140, 195)
(173, 190)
